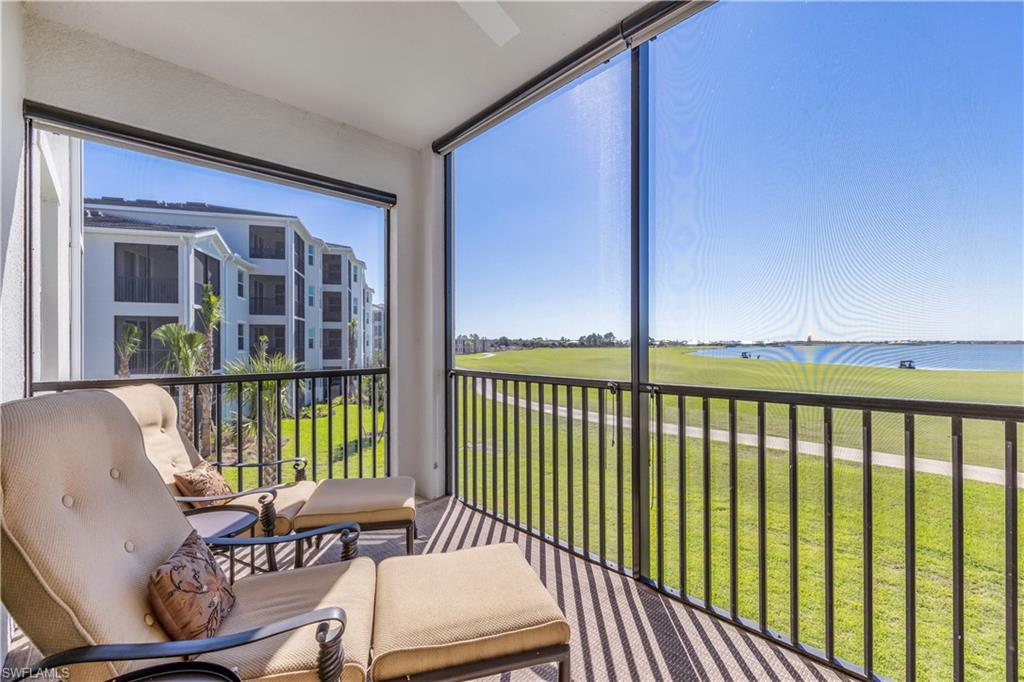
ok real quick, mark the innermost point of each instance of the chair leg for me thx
(298, 553)
(271, 558)
(563, 670)
(410, 538)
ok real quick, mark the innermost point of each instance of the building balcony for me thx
(131, 289)
(267, 305)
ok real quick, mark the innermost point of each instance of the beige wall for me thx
(84, 73)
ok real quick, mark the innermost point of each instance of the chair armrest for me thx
(268, 513)
(330, 644)
(348, 533)
(298, 463)
(272, 492)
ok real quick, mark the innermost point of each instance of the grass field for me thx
(983, 536)
(330, 458)
(983, 439)
(983, 503)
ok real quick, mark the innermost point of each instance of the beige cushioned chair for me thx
(86, 519)
(375, 503)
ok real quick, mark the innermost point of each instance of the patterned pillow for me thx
(189, 593)
(203, 481)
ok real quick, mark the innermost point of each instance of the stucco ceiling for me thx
(406, 71)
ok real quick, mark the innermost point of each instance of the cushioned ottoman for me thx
(464, 614)
(373, 503)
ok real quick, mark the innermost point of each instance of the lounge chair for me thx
(86, 520)
(374, 503)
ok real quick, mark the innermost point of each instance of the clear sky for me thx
(839, 170)
(119, 172)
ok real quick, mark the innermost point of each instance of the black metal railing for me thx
(336, 421)
(273, 250)
(266, 305)
(146, 361)
(728, 500)
(145, 289)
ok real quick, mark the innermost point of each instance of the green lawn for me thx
(983, 440)
(983, 507)
(362, 461)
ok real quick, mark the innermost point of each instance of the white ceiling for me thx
(407, 71)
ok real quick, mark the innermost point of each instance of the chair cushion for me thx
(359, 500)
(202, 481)
(157, 416)
(435, 611)
(269, 597)
(189, 592)
(86, 519)
(290, 499)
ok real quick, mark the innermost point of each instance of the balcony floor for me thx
(622, 630)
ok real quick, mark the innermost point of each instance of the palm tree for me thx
(184, 352)
(261, 362)
(131, 339)
(209, 317)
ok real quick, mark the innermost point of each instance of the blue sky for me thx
(118, 172)
(839, 170)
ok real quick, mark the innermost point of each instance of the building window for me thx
(266, 241)
(331, 264)
(355, 307)
(151, 355)
(241, 284)
(355, 274)
(268, 295)
(312, 296)
(332, 344)
(275, 334)
(300, 249)
(311, 254)
(312, 337)
(145, 273)
(241, 336)
(205, 270)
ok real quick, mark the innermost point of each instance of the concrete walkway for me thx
(921, 464)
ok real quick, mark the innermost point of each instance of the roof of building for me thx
(196, 206)
(94, 217)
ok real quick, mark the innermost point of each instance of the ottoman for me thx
(373, 503)
(465, 614)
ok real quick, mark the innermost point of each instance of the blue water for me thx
(948, 356)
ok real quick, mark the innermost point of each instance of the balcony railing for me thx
(145, 289)
(335, 420)
(146, 361)
(266, 305)
(779, 512)
(274, 250)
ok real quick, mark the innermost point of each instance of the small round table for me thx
(225, 521)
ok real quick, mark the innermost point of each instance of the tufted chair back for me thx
(85, 521)
(157, 415)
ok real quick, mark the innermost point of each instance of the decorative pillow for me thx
(203, 481)
(189, 593)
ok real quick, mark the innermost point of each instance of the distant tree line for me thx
(473, 343)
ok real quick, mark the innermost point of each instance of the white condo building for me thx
(146, 262)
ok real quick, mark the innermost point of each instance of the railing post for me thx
(640, 323)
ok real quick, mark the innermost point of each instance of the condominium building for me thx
(147, 262)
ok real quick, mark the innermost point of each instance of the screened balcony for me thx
(713, 309)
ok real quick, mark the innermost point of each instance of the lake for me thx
(947, 356)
